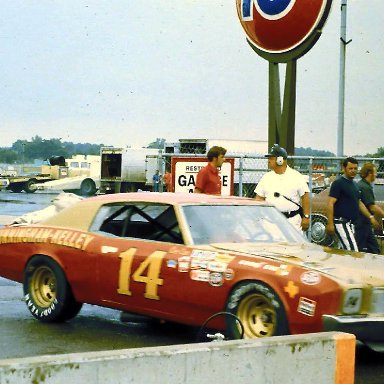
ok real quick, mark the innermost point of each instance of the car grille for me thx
(377, 302)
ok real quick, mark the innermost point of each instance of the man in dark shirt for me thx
(344, 205)
(365, 238)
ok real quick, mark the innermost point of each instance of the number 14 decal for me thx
(150, 279)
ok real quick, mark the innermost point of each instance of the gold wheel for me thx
(257, 315)
(43, 286)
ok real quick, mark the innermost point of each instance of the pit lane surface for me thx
(95, 328)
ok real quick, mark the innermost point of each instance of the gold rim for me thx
(43, 286)
(258, 316)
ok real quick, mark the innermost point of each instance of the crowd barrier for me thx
(318, 358)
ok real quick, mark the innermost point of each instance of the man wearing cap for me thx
(285, 188)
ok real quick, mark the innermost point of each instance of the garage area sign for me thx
(185, 170)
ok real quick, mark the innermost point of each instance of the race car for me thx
(187, 257)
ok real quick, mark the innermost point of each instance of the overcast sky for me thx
(124, 72)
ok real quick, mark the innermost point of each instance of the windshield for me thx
(239, 224)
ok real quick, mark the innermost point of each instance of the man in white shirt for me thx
(285, 188)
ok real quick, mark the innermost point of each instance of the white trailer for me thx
(80, 175)
(127, 169)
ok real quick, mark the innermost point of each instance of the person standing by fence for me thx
(344, 205)
(208, 179)
(285, 188)
(167, 178)
(364, 235)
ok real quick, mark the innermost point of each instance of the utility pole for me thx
(343, 45)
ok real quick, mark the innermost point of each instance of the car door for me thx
(140, 259)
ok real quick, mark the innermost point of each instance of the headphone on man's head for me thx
(279, 160)
(278, 152)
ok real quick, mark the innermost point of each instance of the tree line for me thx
(26, 151)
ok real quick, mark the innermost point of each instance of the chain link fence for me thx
(319, 172)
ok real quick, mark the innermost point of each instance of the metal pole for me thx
(343, 44)
(241, 176)
(310, 186)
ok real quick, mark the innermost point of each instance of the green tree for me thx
(39, 148)
(8, 156)
(312, 152)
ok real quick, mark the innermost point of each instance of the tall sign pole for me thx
(343, 45)
(281, 31)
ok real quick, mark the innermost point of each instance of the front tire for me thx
(47, 293)
(259, 309)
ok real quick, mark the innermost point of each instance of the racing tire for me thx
(47, 293)
(29, 186)
(260, 310)
(87, 188)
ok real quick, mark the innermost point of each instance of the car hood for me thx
(344, 266)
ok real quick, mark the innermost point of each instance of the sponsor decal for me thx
(216, 279)
(199, 275)
(306, 306)
(197, 263)
(281, 270)
(229, 274)
(67, 238)
(38, 312)
(291, 289)
(252, 264)
(310, 278)
(171, 263)
(217, 266)
(107, 249)
(184, 262)
(206, 255)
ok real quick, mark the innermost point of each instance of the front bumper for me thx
(365, 328)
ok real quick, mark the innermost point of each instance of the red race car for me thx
(186, 258)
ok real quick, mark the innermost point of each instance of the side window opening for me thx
(142, 221)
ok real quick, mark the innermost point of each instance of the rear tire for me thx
(259, 309)
(47, 293)
(29, 186)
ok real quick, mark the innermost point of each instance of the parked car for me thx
(189, 257)
(319, 216)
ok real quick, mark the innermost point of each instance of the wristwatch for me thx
(306, 216)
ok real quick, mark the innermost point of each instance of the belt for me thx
(291, 213)
(340, 220)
